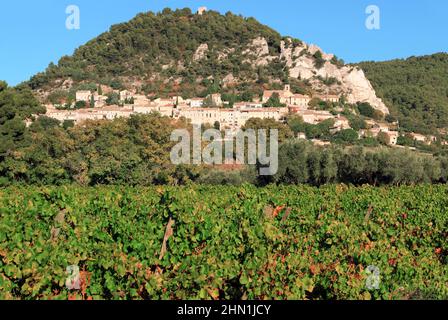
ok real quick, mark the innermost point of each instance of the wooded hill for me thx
(157, 50)
(415, 90)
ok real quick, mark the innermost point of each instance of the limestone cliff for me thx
(350, 80)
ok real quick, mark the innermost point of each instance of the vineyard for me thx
(277, 242)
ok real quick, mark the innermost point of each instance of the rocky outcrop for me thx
(312, 49)
(351, 81)
(229, 79)
(225, 53)
(258, 53)
(361, 89)
(201, 52)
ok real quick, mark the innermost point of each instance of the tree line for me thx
(136, 151)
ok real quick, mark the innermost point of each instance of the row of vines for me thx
(204, 242)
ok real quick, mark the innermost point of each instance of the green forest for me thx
(136, 151)
(164, 43)
(415, 90)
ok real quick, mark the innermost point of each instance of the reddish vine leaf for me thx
(278, 210)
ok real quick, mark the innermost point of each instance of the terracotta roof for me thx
(281, 93)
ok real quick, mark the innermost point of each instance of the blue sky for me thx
(33, 33)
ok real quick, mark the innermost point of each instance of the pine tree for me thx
(92, 101)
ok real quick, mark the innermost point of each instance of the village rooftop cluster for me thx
(213, 111)
(228, 118)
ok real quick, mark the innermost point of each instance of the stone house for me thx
(247, 105)
(374, 132)
(229, 117)
(418, 137)
(262, 113)
(201, 115)
(125, 95)
(284, 95)
(113, 112)
(299, 100)
(164, 102)
(100, 100)
(202, 10)
(383, 127)
(196, 102)
(315, 117)
(341, 123)
(143, 109)
(393, 137)
(141, 100)
(287, 97)
(83, 95)
(216, 99)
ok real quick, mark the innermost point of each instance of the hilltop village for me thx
(213, 111)
(333, 95)
(106, 114)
